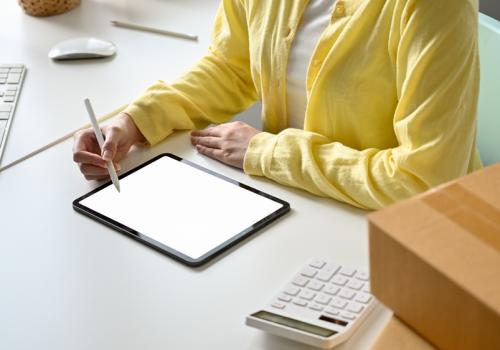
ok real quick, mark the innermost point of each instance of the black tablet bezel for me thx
(143, 238)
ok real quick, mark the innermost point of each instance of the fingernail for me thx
(118, 167)
(107, 155)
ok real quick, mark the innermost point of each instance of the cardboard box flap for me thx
(456, 229)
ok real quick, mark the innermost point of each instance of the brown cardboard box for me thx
(397, 336)
(435, 261)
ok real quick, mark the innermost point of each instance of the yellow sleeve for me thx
(434, 121)
(216, 88)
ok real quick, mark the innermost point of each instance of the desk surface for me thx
(69, 282)
(51, 102)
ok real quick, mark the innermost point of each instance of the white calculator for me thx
(322, 305)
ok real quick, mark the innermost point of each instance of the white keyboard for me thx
(321, 305)
(11, 82)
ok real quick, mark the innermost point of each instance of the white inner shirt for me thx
(314, 21)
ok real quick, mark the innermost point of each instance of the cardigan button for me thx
(340, 9)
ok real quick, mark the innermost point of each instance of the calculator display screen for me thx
(295, 324)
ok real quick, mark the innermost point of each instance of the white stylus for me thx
(100, 139)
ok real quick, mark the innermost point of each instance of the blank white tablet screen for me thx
(181, 207)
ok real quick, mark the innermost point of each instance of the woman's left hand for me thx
(227, 143)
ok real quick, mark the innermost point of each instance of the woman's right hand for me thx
(119, 135)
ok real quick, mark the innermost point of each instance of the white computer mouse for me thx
(79, 48)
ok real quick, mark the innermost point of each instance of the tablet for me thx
(181, 209)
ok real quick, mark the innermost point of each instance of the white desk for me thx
(69, 282)
(51, 102)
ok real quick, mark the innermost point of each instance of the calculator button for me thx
(347, 271)
(346, 294)
(307, 295)
(309, 272)
(300, 281)
(331, 289)
(293, 291)
(316, 307)
(315, 285)
(339, 304)
(339, 280)
(285, 298)
(316, 263)
(332, 311)
(327, 272)
(363, 276)
(347, 315)
(278, 305)
(323, 299)
(356, 285)
(355, 308)
(299, 302)
(363, 298)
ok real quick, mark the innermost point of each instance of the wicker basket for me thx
(47, 7)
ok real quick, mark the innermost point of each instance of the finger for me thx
(207, 141)
(85, 140)
(111, 137)
(95, 177)
(88, 169)
(89, 158)
(211, 152)
(211, 131)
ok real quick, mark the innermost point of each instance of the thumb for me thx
(111, 138)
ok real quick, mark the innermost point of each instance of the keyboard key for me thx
(318, 264)
(332, 311)
(316, 307)
(363, 276)
(4, 115)
(300, 281)
(3, 81)
(346, 294)
(356, 285)
(16, 70)
(8, 99)
(299, 302)
(5, 108)
(347, 271)
(4, 70)
(355, 308)
(10, 93)
(307, 294)
(309, 272)
(347, 315)
(285, 298)
(327, 272)
(323, 299)
(293, 291)
(11, 88)
(315, 285)
(14, 78)
(339, 303)
(339, 280)
(363, 298)
(331, 289)
(278, 305)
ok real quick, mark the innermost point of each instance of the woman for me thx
(364, 101)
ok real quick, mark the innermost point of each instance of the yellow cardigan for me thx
(392, 95)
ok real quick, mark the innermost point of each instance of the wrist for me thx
(135, 134)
